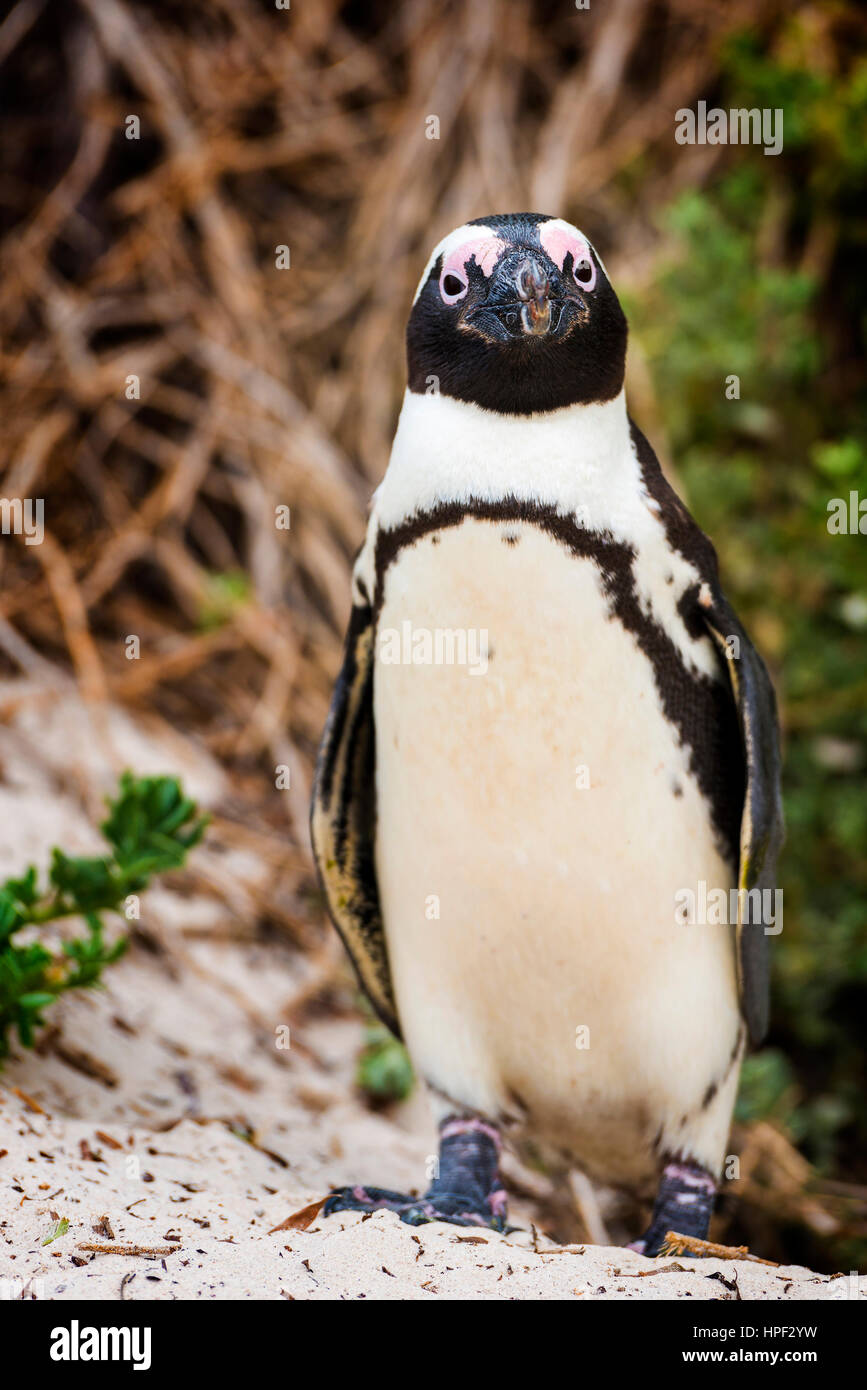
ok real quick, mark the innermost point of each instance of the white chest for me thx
(536, 819)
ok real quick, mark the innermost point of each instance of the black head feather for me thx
(519, 317)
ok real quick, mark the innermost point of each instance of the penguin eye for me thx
(453, 286)
(584, 273)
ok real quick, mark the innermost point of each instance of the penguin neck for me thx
(450, 451)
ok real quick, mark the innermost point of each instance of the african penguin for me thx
(550, 728)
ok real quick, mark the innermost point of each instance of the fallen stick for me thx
(28, 1101)
(130, 1249)
(681, 1245)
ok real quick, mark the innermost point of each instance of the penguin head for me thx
(516, 314)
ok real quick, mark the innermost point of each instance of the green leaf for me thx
(384, 1070)
(840, 458)
(35, 1001)
(58, 1229)
(224, 595)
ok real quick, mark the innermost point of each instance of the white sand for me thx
(216, 1198)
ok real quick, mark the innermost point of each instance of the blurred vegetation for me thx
(767, 280)
(384, 1071)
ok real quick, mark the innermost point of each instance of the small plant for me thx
(384, 1071)
(151, 827)
(224, 595)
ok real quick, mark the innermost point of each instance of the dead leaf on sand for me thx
(300, 1220)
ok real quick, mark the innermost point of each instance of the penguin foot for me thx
(467, 1189)
(416, 1211)
(684, 1203)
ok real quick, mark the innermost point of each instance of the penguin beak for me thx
(527, 302)
(532, 287)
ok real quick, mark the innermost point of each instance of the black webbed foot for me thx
(415, 1211)
(467, 1190)
(684, 1203)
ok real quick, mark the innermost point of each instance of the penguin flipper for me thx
(343, 817)
(762, 830)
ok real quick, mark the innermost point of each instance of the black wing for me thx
(761, 834)
(343, 817)
(761, 828)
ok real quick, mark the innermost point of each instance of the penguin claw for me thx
(683, 1206)
(414, 1211)
(651, 1244)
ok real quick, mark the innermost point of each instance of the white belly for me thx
(519, 907)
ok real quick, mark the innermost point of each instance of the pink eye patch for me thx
(485, 249)
(558, 240)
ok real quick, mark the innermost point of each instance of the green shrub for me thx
(151, 827)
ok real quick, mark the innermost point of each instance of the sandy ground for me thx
(165, 1115)
(205, 1203)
